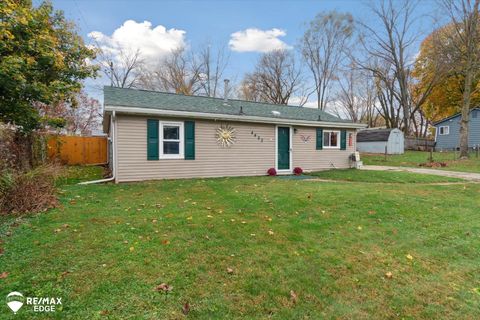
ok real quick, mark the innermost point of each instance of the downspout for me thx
(112, 178)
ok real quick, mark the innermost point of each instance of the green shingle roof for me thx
(122, 97)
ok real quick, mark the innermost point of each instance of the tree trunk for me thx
(465, 115)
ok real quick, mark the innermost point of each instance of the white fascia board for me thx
(216, 116)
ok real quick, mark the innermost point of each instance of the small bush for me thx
(30, 191)
(297, 171)
(272, 172)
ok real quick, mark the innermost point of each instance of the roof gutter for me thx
(217, 116)
(112, 139)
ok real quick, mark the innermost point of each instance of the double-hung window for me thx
(444, 130)
(171, 140)
(331, 139)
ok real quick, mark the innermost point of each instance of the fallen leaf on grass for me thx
(3, 275)
(293, 297)
(164, 288)
(409, 257)
(229, 270)
(186, 308)
(131, 249)
(389, 275)
(165, 241)
(270, 232)
(57, 230)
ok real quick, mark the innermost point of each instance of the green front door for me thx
(283, 148)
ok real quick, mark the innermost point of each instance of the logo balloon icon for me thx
(15, 301)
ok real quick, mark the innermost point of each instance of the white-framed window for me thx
(444, 130)
(331, 139)
(171, 140)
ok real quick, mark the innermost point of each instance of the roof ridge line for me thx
(213, 98)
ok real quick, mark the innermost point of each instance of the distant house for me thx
(158, 135)
(447, 131)
(375, 140)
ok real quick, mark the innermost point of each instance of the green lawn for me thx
(381, 176)
(108, 246)
(75, 174)
(414, 158)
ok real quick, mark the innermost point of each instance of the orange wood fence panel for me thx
(78, 150)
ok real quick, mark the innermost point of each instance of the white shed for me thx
(374, 140)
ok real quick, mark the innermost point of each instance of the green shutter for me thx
(319, 138)
(152, 139)
(189, 140)
(343, 140)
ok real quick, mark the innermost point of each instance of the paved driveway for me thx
(452, 174)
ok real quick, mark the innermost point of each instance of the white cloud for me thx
(154, 43)
(296, 101)
(256, 40)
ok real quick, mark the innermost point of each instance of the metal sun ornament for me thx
(226, 135)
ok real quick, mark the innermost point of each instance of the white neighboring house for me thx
(374, 140)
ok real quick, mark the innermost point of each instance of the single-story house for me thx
(158, 135)
(447, 131)
(375, 140)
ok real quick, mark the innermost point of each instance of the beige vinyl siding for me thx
(308, 158)
(248, 156)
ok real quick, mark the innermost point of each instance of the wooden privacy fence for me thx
(78, 150)
(421, 144)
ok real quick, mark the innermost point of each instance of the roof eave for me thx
(452, 116)
(215, 116)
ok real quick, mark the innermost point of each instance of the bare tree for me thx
(122, 69)
(82, 118)
(323, 48)
(464, 51)
(213, 66)
(250, 89)
(386, 88)
(391, 44)
(180, 72)
(356, 97)
(276, 78)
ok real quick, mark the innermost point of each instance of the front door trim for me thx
(284, 171)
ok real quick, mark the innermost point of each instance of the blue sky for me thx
(213, 21)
